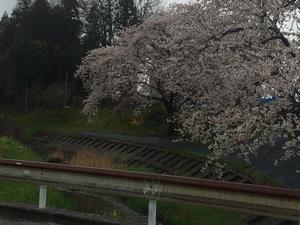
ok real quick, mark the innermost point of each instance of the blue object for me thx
(268, 99)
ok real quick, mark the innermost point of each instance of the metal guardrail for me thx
(156, 159)
(260, 200)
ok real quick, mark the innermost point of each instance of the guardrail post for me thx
(152, 191)
(43, 197)
(152, 212)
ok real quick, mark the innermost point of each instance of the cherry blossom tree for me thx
(141, 64)
(226, 71)
(254, 57)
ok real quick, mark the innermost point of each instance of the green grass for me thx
(237, 166)
(15, 150)
(21, 192)
(182, 214)
(255, 175)
(72, 121)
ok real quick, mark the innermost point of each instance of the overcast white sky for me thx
(7, 5)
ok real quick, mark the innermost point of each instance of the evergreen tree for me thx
(67, 22)
(39, 46)
(6, 32)
(105, 18)
(70, 28)
(4, 21)
(26, 61)
(71, 8)
(20, 15)
(93, 37)
(40, 43)
(24, 5)
(109, 15)
(126, 14)
(40, 20)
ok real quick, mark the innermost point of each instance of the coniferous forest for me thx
(42, 43)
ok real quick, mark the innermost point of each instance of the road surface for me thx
(9, 221)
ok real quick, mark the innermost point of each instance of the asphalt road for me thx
(8, 221)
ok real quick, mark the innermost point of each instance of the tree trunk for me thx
(26, 97)
(110, 22)
(172, 125)
(66, 87)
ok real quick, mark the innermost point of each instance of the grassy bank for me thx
(11, 149)
(72, 121)
(153, 123)
(21, 192)
(182, 214)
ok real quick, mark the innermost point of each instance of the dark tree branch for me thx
(150, 97)
(281, 37)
